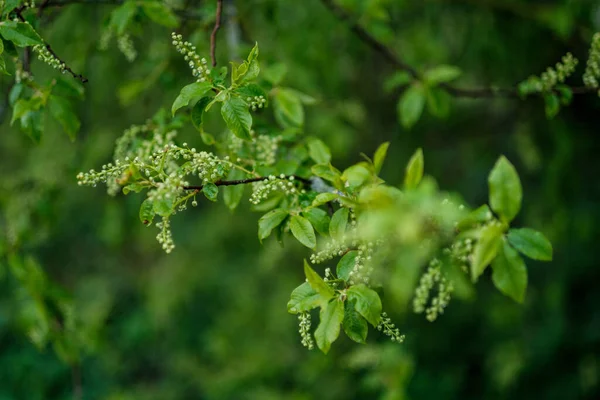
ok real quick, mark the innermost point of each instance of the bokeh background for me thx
(209, 320)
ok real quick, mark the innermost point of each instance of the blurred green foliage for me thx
(209, 320)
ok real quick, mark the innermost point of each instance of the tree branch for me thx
(213, 35)
(396, 61)
(249, 180)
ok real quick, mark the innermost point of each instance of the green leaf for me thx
(414, 170)
(134, 187)
(237, 117)
(339, 222)
(317, 283)
(163, 207)
(21, 34)
(121, 16)
(275, 73)
(368, 303)
(160, 13)
(505, 190)
(439, 102)
(61, 111)
(531, 243)
(3, 69)
(356, 175)
(324, 198)
(318, 151)
(410, 105)
(379, 156)
(269, 221)
(346, 265)
(210, 191)
(288, 108)
(198, 112)
(441, 74)
(303, 298)
(475, 218)
(10, 5)
(355, 326)
(509, 273)
(400, 78)
(232, 195)
(1, 46)
(147, 212)
(250, 90)
(485, 249)
(331, 317)
(303, 231)
(253, 68)
(9, 48)
(196, 89)
(319, 220)
(552, 105)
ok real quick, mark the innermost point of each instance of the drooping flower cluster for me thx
(304, 329)
(198, 64)
(592, 69)
(430, 278)
(560, 73)
(47, 57)
(261, 190)
(389, 329)
(125, 45)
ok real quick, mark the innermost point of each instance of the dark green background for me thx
(209, 321)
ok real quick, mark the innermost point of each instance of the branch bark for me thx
(249, 180)
(213, 35)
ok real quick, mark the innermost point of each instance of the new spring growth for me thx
(551, 77)
(389, 329)
(430, 278)
(47, 57)
(125, 45)
(198, 65)
(304, 329)
(592, 69)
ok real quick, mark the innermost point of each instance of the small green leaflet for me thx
(317, 283)
(485, 249)
(198, 112)
(346, 265)
(323, 198)
(509, 273)
(210, 191)
(379, 156)
(410, 105)
(303, 298)
(441, 74)
(414, 170)
(368, 303)
(439, 102)
(147, 212)
(475, 217)
(196, 89)
(318, 151)
(269, 221)
(237, 117)
(354, 324)
(339, 222)
(303, 231)
(356, 175)
(163, 207)
(531, 243)
(506, 192)
(21, 34)
(327, 172)
(331, 317)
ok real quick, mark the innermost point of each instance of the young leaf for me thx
(552, 105)
(474, 218)
(196, 89)
(62, 112)
(303, 298)
(410, 105)
(485, 250)
(324, 198)
(346, 265)
(237, 117)
(303, 231)
(400, 78)
(198, 112)
(355, 326)
(319, 219)
(414, 170)
(505, 190)
(509, 273)
(531, 243)
(327, 172)
(438, 102)
(356, 175)
(379, 156)
(317, 283)
(210, 191)
(331, 317)
(339, 222)
(368, 303)
(20, 33)
(147, 212)
(269, 221)
(163, 207)
(288, 108)
(441, 74)
(318, 151)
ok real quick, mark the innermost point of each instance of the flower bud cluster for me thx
(256, 102)
(461, 252)
(592, 69)
(561, 72)
(261, 190)
(265, 149)
(362, 264)
(164, 236)
(389, 329)
(125, 45)
(109, 172)
(430, 278)
(304, 329)
(198, 65)
(332, 249)
(47, 57)
(105, 38)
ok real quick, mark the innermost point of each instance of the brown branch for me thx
(396, 61)
(249, 180)
(213, 35)
(80, 77)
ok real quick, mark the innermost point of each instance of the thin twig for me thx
(396, 61)
(213, 35)
(249, 180)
